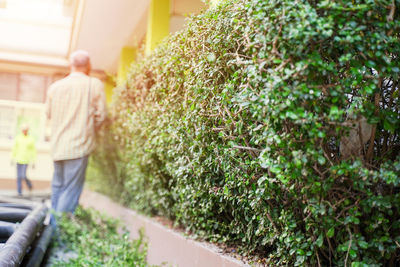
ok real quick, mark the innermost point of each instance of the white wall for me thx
(106, 26)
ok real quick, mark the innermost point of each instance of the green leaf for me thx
(334, 112)
(330, 232)
(359, 264)
(321, 160)
(320, 240)
(211, 57)
(363, 244)
(391, 123)
(353, 253)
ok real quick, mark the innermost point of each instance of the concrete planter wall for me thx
(165, 245)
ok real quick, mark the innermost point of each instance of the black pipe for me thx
(6, 229)
(18, 201)
(18, 206)
(39, 250)
(16, 246)
(13, 214)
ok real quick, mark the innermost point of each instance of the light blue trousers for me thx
(67, 184)
(21, 175)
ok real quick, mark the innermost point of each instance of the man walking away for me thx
(75, 107)
(23, 153)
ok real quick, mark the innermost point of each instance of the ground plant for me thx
(272, 126)
(91, 239)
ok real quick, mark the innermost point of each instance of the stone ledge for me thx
(164, 244)
(11, 184)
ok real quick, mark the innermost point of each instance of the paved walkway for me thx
(35, 196)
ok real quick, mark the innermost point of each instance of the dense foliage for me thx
(243, 128)
(95, 241)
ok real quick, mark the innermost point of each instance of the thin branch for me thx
(390, 17)
(253, 154)
(283, 64)
(247, 148)
(327, 156)
(348, 249)
(218, 129)
(361, 139)
(272, 222)
(330, 252)
(319, 262)
(274, 44)
(370, 152)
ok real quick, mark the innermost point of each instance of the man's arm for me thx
(48, 104)
(100, 110)
(47, 111)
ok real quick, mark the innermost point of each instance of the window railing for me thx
(15, 114)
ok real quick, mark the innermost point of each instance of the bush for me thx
(273, 126)
(95, 241)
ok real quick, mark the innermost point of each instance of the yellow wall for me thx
(158, 27)
(108, 88)
(127, 57)
(157, 23)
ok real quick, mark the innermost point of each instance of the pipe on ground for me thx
(13, 252)
(13, 214)
(6, 230)
(36, 256)
(17, 206)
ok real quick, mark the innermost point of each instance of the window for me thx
(13, 115)
(32, 88)
(7, 122)
(25, 87)
(8, 86)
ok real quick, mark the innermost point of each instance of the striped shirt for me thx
(75, 107)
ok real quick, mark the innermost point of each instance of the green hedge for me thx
(90, 239)
(233, 127)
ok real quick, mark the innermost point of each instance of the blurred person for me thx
(75, 108)
(23, 153)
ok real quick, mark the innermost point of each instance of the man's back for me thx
(74, 106)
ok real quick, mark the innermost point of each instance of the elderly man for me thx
(75, 107)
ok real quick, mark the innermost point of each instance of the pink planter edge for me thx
(165, 246)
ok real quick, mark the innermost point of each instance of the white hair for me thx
(79, 58)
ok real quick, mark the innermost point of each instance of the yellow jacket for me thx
(24, 149)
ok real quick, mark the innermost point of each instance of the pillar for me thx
(157, 23)
(108, 89)
(126, 58)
